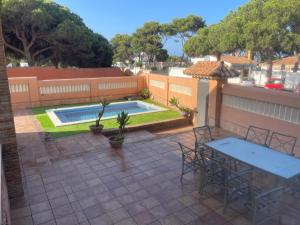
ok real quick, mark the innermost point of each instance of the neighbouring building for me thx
(211, 78)
(285, 64)
(239, 63)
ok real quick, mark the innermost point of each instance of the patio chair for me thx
(212, 171)
(283, 143)
(257, 135)
(202, 135)
(190, 161)
(261, 203)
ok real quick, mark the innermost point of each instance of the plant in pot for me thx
(116, 141)
(185, 111)
(145, 93)
(97, 127)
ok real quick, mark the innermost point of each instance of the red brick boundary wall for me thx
(51, 73)
(275, 110)
(30, 92)
(163, 88)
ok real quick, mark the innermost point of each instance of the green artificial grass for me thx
(63, 131)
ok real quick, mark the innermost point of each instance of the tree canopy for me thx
(122, 49)
(267, 27)
(149, 39)
(42, 31)
(183, 28)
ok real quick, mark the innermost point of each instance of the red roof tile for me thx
(242, 60)
(211, 70)
(291, 60)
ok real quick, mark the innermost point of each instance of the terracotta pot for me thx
(116, 142)
(96, 129)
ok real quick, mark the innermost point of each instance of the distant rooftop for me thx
(211, 70)
(291, 60)
(242, 60)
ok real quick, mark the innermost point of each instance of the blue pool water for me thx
(89, 113)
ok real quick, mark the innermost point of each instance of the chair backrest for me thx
(187, 153)
(184, 149)
(257, 135)
(283, 143)
(202, 135)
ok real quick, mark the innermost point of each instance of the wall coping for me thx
(260, 94)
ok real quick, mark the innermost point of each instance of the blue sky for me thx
(109, 17)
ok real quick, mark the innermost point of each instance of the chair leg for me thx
(182, 172)
(254, 214)
(202, 182)
(225, 199)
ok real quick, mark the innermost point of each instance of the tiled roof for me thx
(211, 70)
(291, 60)
(237, 60)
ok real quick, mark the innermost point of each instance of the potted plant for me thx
(145, 93)
(117, 140)
(185, 111)
(97, 127)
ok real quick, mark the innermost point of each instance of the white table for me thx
(258, 156)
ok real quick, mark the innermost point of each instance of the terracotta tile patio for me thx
(81, 180)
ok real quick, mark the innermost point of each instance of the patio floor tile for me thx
(93, 211)
(85, 182)
(67, 220)
(62, 211)
(118, 214)
(42, 217)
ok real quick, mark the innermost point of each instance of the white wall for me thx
(177, 72)
(291, 79)
(205, 58)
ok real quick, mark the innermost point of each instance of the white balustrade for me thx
(117, 85)
(18, 88)
(61, 89)
(269, 109)
(157, 83)
(181, 89)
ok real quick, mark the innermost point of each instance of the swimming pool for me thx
(87, 113)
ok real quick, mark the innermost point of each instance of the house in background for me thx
(286, 64)
(239, 63)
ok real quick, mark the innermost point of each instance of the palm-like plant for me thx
(104, 102)
(187, 112)
(122, 120)
(174, 102)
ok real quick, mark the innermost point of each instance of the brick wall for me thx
(163, 88)
(277, 111)
(5, 207)
(7, 132)
(30, 92)
(51, 73)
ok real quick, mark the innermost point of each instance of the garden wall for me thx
(5, 207)
(31, 92)
(275, 110)
(163, 88)
(51, 73)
